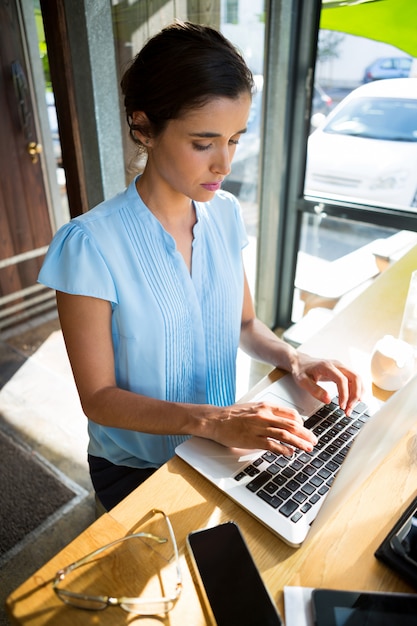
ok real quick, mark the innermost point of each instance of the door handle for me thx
(34, 149)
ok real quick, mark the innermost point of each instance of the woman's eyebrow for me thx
(208, 134)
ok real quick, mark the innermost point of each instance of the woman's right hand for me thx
(261, 425)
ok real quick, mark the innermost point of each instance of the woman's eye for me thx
(234, 142)
(199, 146)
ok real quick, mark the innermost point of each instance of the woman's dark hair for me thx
(182, 67)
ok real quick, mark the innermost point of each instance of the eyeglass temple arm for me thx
(69, 568)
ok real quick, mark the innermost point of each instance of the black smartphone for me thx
(229, 581)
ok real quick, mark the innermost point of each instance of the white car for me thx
(366, 149)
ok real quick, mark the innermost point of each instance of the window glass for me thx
(337, 259)
(366, 149)
(362, 150)
(232, 12)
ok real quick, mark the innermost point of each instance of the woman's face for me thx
(193, 154)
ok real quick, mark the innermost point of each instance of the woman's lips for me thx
(212, 186)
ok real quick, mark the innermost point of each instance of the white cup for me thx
(392, 363)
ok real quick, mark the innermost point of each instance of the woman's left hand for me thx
(307, 371)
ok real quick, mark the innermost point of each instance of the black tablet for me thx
(399, 548)
(357, 608)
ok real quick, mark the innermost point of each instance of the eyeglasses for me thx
(404, 542)
(135, 560)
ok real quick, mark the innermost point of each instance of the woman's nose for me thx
(222, 163)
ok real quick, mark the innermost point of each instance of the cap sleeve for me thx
(74, 265)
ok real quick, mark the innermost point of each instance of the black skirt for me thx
(112, 482)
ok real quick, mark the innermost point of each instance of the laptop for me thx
(287, 495)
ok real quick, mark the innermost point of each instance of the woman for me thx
(151, 292)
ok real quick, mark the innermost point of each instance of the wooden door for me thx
(25, 224)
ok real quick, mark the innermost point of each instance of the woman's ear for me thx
(141, 127)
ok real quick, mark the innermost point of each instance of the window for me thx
(355, 192)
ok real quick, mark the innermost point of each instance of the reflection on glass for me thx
(366, 150)
(337, 259)
(384, 118)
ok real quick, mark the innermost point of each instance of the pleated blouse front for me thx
(175, 334)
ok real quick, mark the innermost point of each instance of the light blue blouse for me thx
(175, 335)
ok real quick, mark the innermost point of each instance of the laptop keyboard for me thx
(292, 485)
